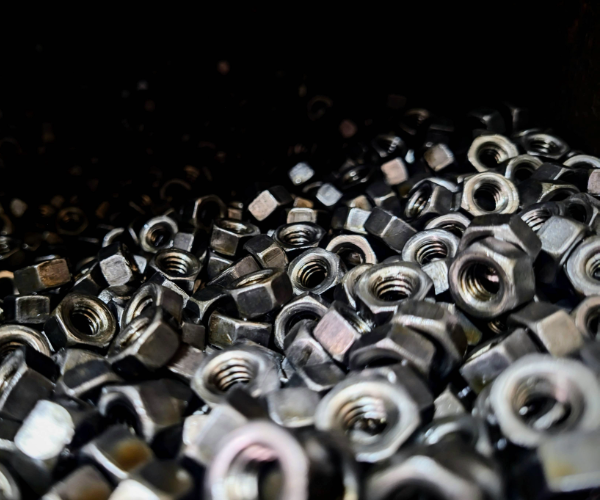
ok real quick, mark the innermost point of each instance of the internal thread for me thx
(351, 317)
(7, 376)
(393, 288)
(593, 267)
(488, 196)
(231, 372)
(7, 347)
(544, 146)
(497, 326)
(6, 245)
(297, 237)
(354, 175)
(480, 281)
(365, 414)
(418, 201)
(490, 155)
(536, 218)
(313, 273)
(430, 251)
(523, 171)
(453, 227)
(159, 235)
(86, 319)
(175, 263)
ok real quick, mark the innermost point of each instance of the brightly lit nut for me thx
(438, 157)
(489, 193)
(586, 316)
(389, 229)
(252, 366)
(178, 266)
(376, 415)
(157, 234)
(583, 267)
(149, 295)
(569, 390)
(520, 167)
(43, 276)
(551, 326)
(430, 245)
(316, 271)
(117, 452)
(305, 306)
(13, 336)
(302, 214)
(505, 227)
(298, 237)
(544, 145)
(491, 277)
(223, 330)
(146, 344)
(351, 219)
(339, 330)
(394, 172)
(489, 151)
(393, 343)
(228, 236)
(260, 292)
(490, 359)
(428, 199)
(455, 223)
(85, 482)
(300, 173)
(267, 251)
(80, 320)
(301, 348)
(383, 287)
(118, 265)
(354, 250)
(269, 201)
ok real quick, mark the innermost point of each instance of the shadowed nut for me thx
(570, 393)
(491, 277)
(292, 407)
(178, 266)
(520, 167)
(301, 348)
(269, 201)
(388, 228)
(146, 344)
(252, 366)
(228, 236)
(157, 234)
(430, 245)
(118, 265)
(316, 271)
(533, 191)
(27, 309)
(489, 151)
(43, 276)
(487, 193)
(383, 287)
(455, 223)
(260, 292)
(305, 306)
(13, 336)
(152, 294)
(587, 315)
(85, 482)
(345, 290)
(300, 236)
(85, 380)
(544, 145)
(224, 330)
(201, 212)
(318, 378)
(583, 267)
(80, 320)
(394, 172)
(427, 199)
(376, 415)
(352, 249)
(266, 251)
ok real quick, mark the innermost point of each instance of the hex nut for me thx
(224, 331)
(118, 265)
(328, 195)
(537, 214)
(551, 326)
(345, 291)
(267, 252)
(582, 267)
(146, 344)
(339, 330)
(228, 236)
(350, 219)
(388, 228)
(318, 378)
(302, 214)
(153, 294)
(157, 234)
(316, 271)
(268, 202)
(430, 245)
(260, 292)
(382, 288)
(12, 336)
(84, 482)
(85, 380)
(301, 348)
(521, 167)
(488, 151)
(586, 316)
(200, 212)
(353, 250)
(253, 366)
(43, 276)
(489, 192)
(205, 301)
(438, 157)
(455, 223)
(583, 208)
(305, 306)
(178, 266)
(27, 309)
(300, 173)
(533, 191)
(485, 363)
(544, 145)
(80, 320)
(183, 365)
(491, 277)
(216, 264)
(292, 407)
(298, 237)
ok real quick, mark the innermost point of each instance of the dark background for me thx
(132, 102)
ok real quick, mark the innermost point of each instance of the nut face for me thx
(305, 306)
(570, 386)
(582, 267)
(316, 271)
(228, 236)
(157, 234)
(118, 265)
(491, 277)
(350, 219)
(300, 173)
(388, 228)
(353, 250)
(224, 331)
(80, 320)
(394, 172)
(178, 266)
(266, 251)
(430, 245)
(28, 309)
(302, 349)
(489, 192)
(427, 199)
(268, 202)
(85, 481)
(488, 151)
(43, 276)
(438, 157)
(376, 415)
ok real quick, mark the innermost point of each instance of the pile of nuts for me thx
(420, 322)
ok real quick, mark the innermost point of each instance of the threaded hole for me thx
(536, 218)
(453, 227)
(498, 326)
(86, 320)
(254, 474)
(351, 255)
(544, 146)
(133, 331)
(313, 273)
(593, 267)
(351, 317)
(490, 155)
(231, 372)
(488, 196)
(364, 415)
(7, 347)
(159, 235)
(393, 288)
(7, 245)
(431, 251)
(480, 281)
(523, 171)
(298, 235)
(175, 263)
(418, 201)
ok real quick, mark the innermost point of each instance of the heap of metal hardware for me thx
(421, 321)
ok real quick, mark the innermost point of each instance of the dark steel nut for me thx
(489, 151)
(201, 212)
(520, 167)
(178, 266)
(551, 326)
(583, 208)
(267, 252)
(350, 219)
(86, 380)
(438, 273)
(216, 264)
(242, 267)
(301, 348)
(84, 483)
(191, 241)
(81, 320)
(318, 378)
(455, 223)
(117, 452)
(260, 292)
(345, 290)
(117, 298)
(305, 306)
(428, 199)
(509, 228)
(393, 343)
(537, 214)
(339, 330)
(295, 238)
(544, 145)
(68, 358)
(533, 191)
(383, 287)
(491, 277)
(183, 365)
(586, 316)
(384, 196)
(253, 366)
(146, 344)
(485, 363)
(489, 193)
(269, 201)
(429, 246)
(228, 236)
(316, 271)
(292, 407)
(353, 250)
(573, 389)
(43, 276)
(388, 228)
(118, 265)
(13, 336)
(582, 267)
(224, 331)
(205, 301)
(152, 294)
(27, 309)
(157, 234)
(300, 173)
(472, 332)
